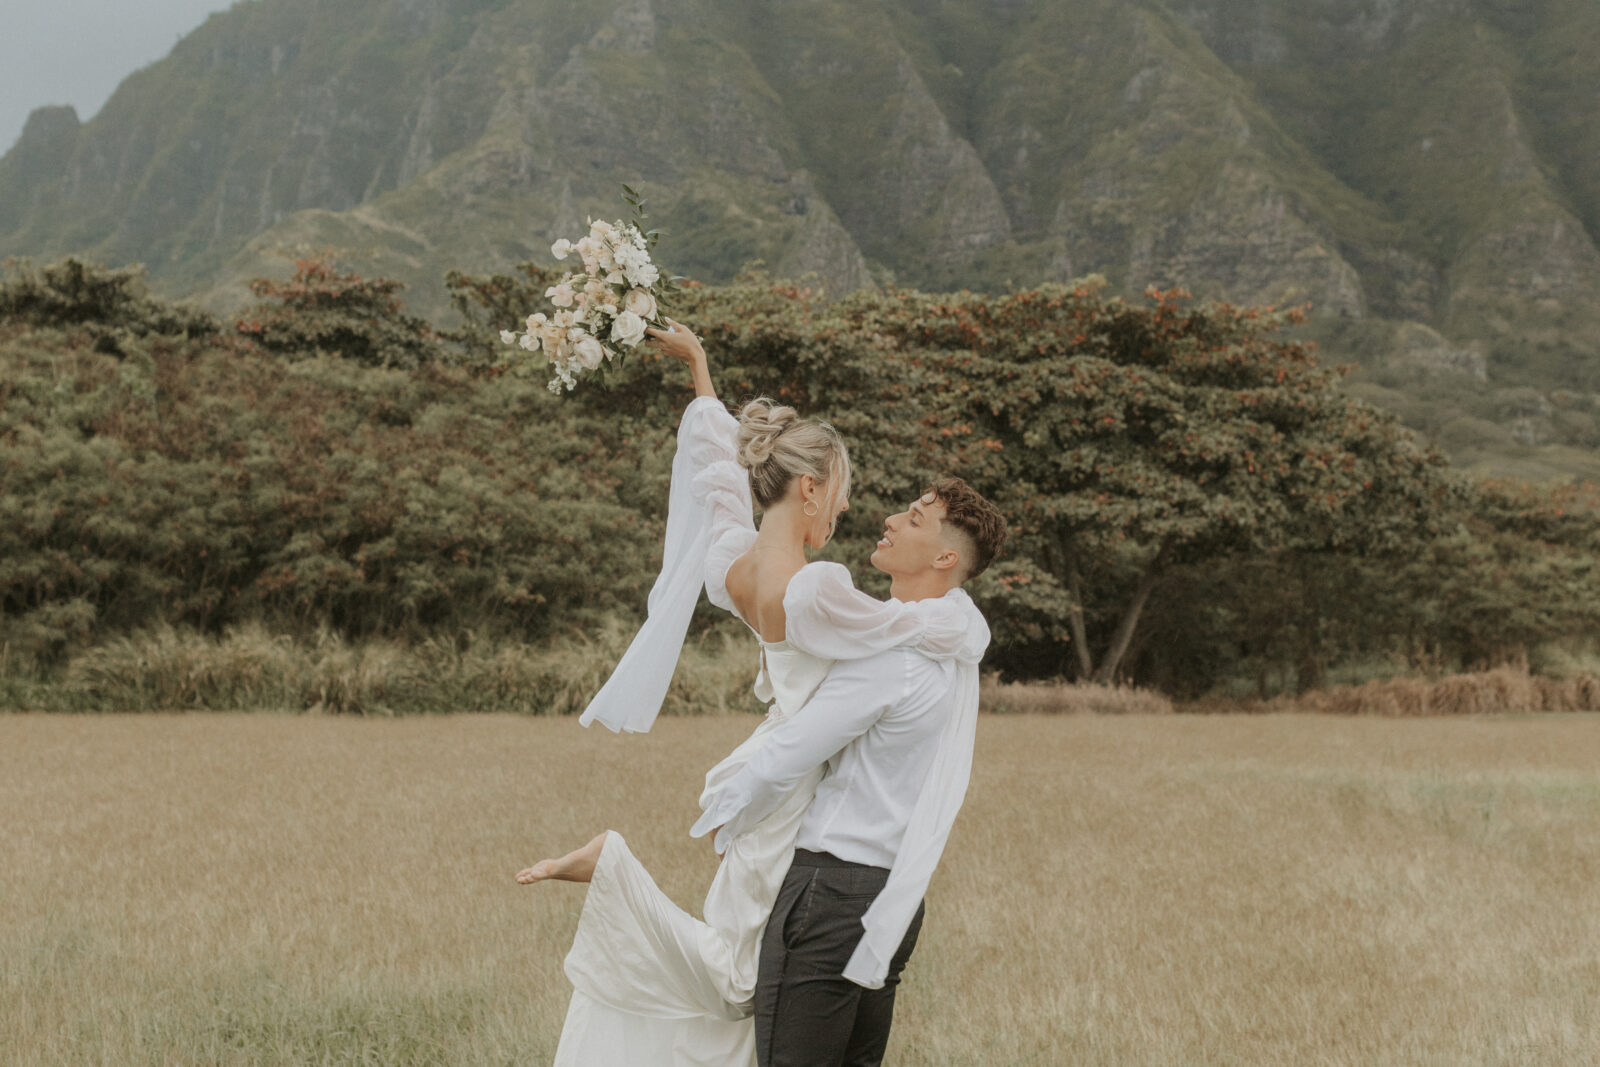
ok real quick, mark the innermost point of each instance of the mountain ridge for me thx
(1422, 171)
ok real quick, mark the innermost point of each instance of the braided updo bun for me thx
(777, 446)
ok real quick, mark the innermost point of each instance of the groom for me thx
(880, 726)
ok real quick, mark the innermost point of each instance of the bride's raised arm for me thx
(710, 523)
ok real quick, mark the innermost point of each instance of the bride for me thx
(652, 984)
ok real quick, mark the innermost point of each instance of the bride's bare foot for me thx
(577, 866)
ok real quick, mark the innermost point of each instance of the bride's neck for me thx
(783, 527)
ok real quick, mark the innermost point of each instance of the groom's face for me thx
(912, 540)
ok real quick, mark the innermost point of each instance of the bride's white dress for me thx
(653, 985)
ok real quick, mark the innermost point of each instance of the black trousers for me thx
(807, 1013)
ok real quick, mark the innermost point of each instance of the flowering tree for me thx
(1144, 437)
(1121, 439)
(323, 309)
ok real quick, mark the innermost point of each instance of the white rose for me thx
(561, 249)
(628, 329)
(641, 303)
(589, 352)
(507, 337)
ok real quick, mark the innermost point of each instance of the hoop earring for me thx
(812, 504)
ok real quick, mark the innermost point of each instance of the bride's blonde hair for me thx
(777, 446)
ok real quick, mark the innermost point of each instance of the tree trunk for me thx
(1310, 672)
(1080, 639)
(1125, 628)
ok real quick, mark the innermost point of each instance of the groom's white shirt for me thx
(876, 723)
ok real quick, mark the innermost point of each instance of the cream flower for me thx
(554, 339)
(641, 303)
(507, 337)
(535, 321)
(560, 295)
(561, 249)
(589, 352)
(589, 249)
(628, 329)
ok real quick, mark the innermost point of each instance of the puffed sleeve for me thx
(723, 490)
(827, 616)
(720, 488)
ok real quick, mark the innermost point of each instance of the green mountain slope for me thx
(1427, 173)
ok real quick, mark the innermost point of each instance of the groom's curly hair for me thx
(970, 512)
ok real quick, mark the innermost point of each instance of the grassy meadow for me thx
(1139, 889)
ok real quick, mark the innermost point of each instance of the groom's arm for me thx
(853, 696)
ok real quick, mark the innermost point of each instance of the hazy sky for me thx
(76, 51)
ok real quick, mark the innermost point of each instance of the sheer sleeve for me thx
(719, 486)
(827, 616)
(723, 489)
(708, 513)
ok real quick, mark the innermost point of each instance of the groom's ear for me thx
(947, 559)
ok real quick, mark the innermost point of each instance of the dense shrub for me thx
(207, 483)
(1195, 505)
(108, 306)
(323, 310)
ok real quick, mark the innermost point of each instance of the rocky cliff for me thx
(1426, 172)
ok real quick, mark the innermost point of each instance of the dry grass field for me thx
(1278, 889)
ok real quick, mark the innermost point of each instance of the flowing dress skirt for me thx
(652, 985)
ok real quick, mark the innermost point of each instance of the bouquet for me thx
(603, 311)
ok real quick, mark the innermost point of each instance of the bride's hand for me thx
(680, 344)
(677, 343)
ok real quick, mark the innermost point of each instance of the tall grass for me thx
(1078, 698)
(1505, 689)
(1156, 891)
(250, 668)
